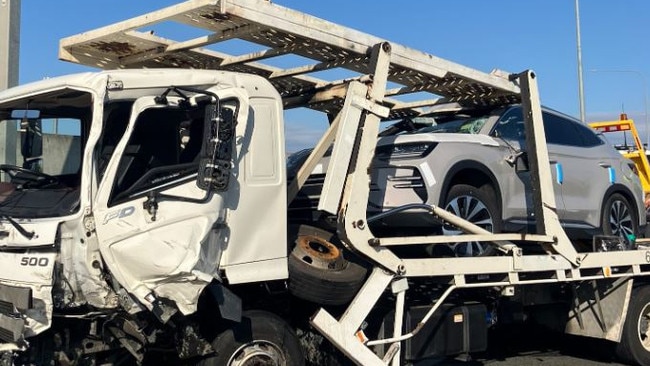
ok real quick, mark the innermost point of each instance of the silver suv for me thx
(473, 163)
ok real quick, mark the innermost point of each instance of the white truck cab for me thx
(147, 194)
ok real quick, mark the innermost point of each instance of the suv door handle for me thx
(604, 165)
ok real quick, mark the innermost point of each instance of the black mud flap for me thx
(229, 303)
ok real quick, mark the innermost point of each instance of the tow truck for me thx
(190, 259)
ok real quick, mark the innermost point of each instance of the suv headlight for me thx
(404, 151)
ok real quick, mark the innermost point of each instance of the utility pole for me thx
(9, 48)
(581, 93)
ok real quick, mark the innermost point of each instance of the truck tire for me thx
(320, 271)
(478, 206)
(634, 346)
(619, 217)
(260, 339)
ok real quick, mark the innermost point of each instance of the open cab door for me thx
(163, 194)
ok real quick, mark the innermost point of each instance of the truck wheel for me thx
(635, 340)
(260, 339)
(478, 206)
(319, 270)
(619, 217)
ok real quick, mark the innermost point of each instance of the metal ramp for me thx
(277, 32)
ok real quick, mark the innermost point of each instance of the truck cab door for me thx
(157, 228)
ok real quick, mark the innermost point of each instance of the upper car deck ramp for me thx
(279, 31)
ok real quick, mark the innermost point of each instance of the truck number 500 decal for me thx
(34, 261)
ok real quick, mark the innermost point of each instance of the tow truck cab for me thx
(125, 193)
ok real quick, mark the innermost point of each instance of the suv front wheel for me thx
(478, 206)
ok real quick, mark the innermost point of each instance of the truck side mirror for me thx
(216, 154)
(31, 138)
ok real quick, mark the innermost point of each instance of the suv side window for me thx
(558, 130)
(562, 131)
(589, 136)
(511, 126)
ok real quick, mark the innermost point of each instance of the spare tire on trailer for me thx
(321, 270)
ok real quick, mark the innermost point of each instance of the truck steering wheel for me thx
(16, 172)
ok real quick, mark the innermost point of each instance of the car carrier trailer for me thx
(198, 260)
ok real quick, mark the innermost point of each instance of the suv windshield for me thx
(470, 125)
(41, 167)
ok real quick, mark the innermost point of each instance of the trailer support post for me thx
(545, 208)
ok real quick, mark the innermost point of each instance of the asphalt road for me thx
(540, 349)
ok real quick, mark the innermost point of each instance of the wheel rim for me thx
(475, 211)
(258, 353)
(643, 327)
(620, 220)
(318, 252)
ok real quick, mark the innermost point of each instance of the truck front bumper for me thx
(26, 282)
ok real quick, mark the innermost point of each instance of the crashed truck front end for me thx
(44, 129)
(122, 194)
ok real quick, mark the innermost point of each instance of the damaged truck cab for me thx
(130, 205)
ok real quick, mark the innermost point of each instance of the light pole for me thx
(581, 93)
(645, 96)
(9, 44)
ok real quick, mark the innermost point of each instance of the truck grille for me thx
(6, 335)
(12, 300)
(7, 308)
(11, 328)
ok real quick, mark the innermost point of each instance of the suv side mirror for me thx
(521, 163)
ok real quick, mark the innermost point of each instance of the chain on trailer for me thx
(356, 106)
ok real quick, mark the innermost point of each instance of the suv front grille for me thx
(7, 308)
(413, 181)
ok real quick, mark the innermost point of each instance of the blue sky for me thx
(512, 35)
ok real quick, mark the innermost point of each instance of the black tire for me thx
(479, 206)
(619, 217)
(634, 346)
(261, 338)
(320, 269)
